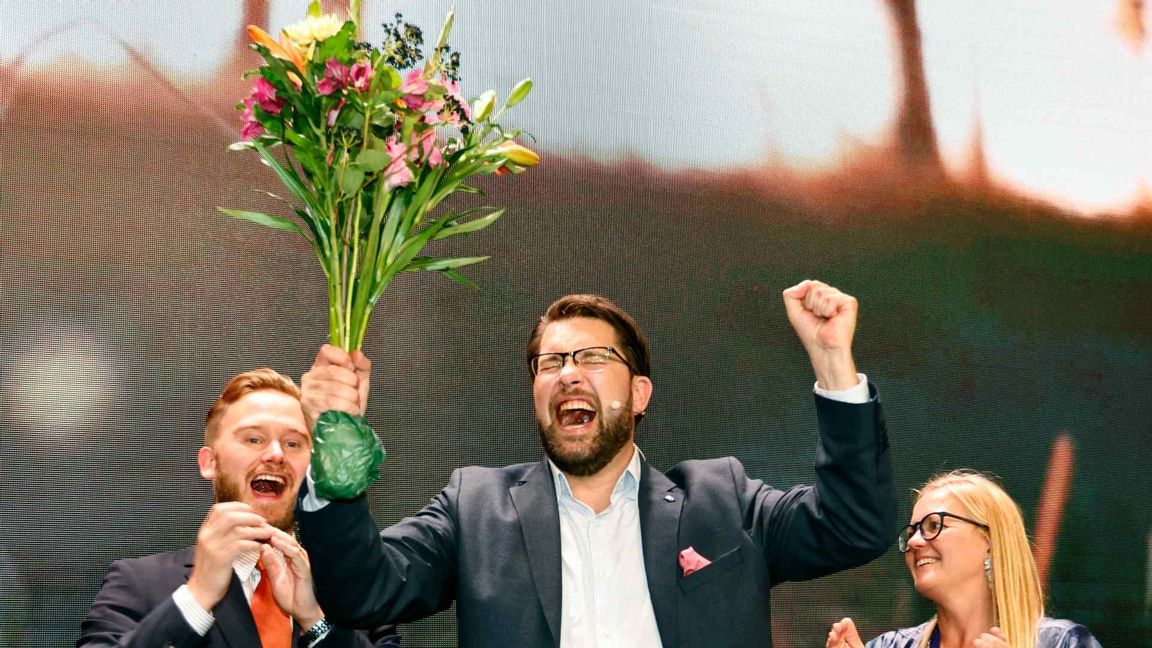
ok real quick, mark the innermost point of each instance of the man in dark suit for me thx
(247, 582)
(592, 546)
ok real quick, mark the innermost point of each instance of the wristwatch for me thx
(318, 629)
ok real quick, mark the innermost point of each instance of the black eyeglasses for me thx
(591, 359)
(929, 527)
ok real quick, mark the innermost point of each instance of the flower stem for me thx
(354, 314)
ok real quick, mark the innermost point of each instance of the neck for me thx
(962, 619)
(595, 490)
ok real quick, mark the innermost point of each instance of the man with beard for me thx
(592, 546)
(246, 582)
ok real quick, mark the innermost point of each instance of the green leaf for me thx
(446, 29)
(372, 160)
(290, 180)
(468, 227)
(388, 78)
(389, 234)
(408, 251)
(446, 267)
(433, 264)
(336, 44)
(319, 234)
(518, 93)
(267, 220)
(459, 278)
(314, 10)
(276, 73)
(351, 180)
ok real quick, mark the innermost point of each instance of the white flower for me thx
(312, 30)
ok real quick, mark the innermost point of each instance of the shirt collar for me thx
(245, 565)
(627, 486)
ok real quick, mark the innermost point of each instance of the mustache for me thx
(565, 394)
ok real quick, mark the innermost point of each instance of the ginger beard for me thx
(279, 513)
(585, 453)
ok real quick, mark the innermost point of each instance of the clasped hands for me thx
(232, 529)
(844, 635)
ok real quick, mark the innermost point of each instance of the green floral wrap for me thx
(346, 455)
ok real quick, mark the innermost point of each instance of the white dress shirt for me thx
(605, 589)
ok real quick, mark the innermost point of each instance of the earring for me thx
(988, 570)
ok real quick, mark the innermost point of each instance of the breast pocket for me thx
(720, 565)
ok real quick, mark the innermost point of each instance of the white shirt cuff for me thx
(200, 619)
(857, 395)
(311, 502)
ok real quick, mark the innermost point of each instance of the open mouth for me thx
(268, 484)
(926, 561)
(575, 414)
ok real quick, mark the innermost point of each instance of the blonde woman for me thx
(969, 554)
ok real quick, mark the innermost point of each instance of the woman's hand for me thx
(843, 635)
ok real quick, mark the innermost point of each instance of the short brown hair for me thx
(635, 346)
(240, 386)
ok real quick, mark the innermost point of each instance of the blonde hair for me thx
(240, 386)
(1017, 600)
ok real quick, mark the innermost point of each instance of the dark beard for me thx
(610, 437)
(228, 490)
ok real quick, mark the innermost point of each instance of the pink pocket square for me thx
(691, 562)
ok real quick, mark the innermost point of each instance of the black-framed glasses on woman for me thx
(591, 359)
(929, 527)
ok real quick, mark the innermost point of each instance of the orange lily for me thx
(285, 49)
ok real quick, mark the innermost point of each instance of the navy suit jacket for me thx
(134, 608)
(490, 541)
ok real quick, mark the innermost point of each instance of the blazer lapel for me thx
(535, 501)
(234, 618)
(660, 501)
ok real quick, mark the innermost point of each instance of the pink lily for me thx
(414, 87)
(414, 83)
(461, 106)
(335, 113)
(335, 77)
(361, 76)
(398, 174)
(252, 128)
(264, 94)
(426, 148)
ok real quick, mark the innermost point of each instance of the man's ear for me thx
(641, 393)
(207, 460)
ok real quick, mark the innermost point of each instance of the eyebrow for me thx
(265, 430)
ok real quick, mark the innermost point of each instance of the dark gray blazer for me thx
(135, 608)
(490, 541)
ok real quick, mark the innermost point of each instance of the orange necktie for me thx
(273, 625)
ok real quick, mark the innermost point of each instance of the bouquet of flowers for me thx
(369, 141)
